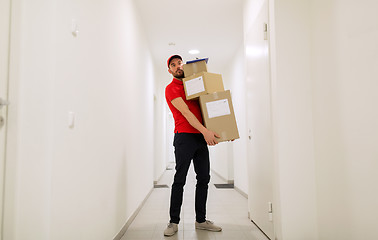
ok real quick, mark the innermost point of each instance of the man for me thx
(190, 142)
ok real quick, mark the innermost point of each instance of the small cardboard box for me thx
(218, 115)
(202, 83)
(195, 66)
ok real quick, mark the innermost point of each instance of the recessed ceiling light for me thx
(194, 51)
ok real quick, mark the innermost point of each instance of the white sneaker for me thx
(171, 229)
(208, 225)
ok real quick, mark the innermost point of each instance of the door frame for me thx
(5, 33)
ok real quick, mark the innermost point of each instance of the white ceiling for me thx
(215, 27)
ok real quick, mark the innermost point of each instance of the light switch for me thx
(71, 119)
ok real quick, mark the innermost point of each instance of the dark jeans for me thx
(190, 146)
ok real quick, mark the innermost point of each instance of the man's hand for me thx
(210, 137)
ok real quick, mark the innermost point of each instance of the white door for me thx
(260, 146)
(4, 53)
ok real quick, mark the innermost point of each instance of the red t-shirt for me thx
(174, 90)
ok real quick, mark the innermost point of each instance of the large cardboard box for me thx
(202, 83)
(218, 115)
(195, 66)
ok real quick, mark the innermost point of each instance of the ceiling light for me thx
(194, 51)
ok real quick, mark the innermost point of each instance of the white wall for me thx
(345, 73)
(293, 120)
(324, 93)
(235, 81)
(164, 153)
(159, 127)
(294, 189)
(221, 155)
(228, 159)
(221, 161)
(83, 182)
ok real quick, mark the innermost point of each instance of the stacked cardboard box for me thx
(216, 104)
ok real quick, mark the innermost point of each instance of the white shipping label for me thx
(218, 108)
(194, 86)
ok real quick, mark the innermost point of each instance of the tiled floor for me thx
(226, 207)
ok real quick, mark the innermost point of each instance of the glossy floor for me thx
(226, 207)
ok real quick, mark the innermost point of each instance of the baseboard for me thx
(159, 178)
(241, 192)
(221, 177)
(131, 219)
(231, 182)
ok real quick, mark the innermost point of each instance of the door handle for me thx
(2, 121)
(3, 103)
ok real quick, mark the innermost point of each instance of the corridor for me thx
(226, 207)
(85, 129)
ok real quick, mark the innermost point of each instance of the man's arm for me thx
(209, 136)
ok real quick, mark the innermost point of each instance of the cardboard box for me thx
(194, 67)
(218, 115)
(202, 83)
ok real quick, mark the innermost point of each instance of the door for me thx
(4, 63)
(259, 123)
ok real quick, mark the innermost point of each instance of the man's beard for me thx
(179, 74)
